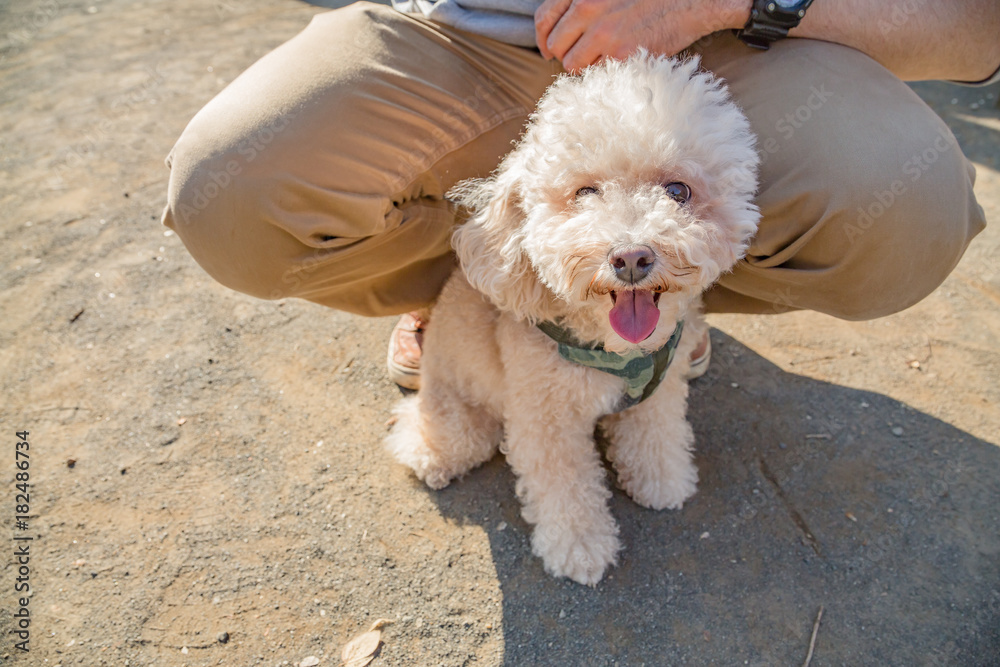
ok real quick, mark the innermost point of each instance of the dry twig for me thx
(812, 640)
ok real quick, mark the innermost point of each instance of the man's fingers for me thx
(578, 63)
(547, 16)
(567, 31)
(590, 48)
(582, 32)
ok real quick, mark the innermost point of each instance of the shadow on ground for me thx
(965, 110)
(811, 495)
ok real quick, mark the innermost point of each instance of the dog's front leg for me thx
(561, 485)
(651, 447)
(550, 409)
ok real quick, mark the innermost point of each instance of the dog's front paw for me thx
(583, 556)
(664, 485)
(654, 462)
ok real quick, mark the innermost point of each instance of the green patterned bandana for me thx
(641, 371)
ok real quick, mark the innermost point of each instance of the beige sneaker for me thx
(700, 357)
(405, 346)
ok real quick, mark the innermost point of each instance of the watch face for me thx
(788, 4)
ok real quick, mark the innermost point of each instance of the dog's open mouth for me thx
(634, 314)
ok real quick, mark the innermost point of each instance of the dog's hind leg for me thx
(441, 437)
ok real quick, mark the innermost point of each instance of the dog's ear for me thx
(489, 245)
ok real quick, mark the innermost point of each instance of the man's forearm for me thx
(914, 39)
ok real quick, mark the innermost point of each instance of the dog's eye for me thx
(679, 192)
(586, 190)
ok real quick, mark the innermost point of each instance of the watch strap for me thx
(770, 22)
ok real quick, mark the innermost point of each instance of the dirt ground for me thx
(209, 487)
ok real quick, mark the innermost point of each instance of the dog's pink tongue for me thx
(634, 315)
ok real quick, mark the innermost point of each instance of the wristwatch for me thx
(770, 20)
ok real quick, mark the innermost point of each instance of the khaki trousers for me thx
(320, 173)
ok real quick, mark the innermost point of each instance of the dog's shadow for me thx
(810, 495)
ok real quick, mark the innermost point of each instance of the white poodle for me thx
(583, 260)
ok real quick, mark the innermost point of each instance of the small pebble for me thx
(311, 661)
(223, 637)
(897, 430)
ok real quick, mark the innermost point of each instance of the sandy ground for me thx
(205, 463)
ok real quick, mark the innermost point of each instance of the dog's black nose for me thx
(632, 263)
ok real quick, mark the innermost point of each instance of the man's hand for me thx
(582, 32)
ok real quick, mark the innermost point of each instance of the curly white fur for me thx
(537, 247)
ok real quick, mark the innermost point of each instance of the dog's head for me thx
(630, 193)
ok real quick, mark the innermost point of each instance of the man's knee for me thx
(904, 235)
(258, 227)
(866, 197)
(220, 203)
(878, 245)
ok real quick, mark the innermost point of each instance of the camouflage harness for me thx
(641, 371)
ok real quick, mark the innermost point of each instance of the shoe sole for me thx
(405, 377)
(699, 366)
